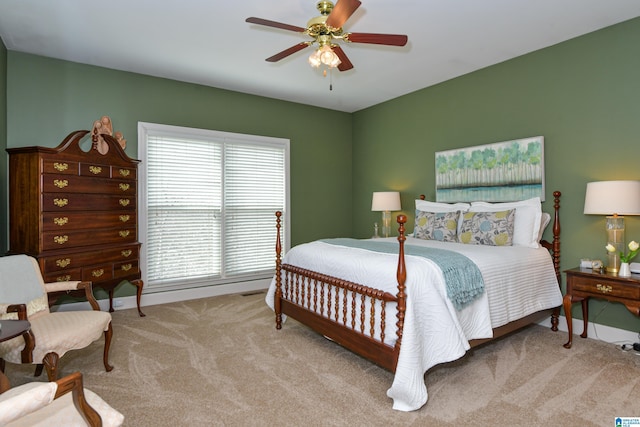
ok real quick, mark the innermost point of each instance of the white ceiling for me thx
(208, 41)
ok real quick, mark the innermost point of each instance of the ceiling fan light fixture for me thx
(324, 55)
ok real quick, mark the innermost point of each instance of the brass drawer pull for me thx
(124, 233)
(95, 169)
(62, 263)
(126, 253)
(125, 202)
(126, 267)
(61, 202)
(124, 187)
(61, 221)
(605, 289)
(97, 273)
(63, 278)
(124, 172)
(60, 183)
(61, 167)
(61, 240)
(124, 218)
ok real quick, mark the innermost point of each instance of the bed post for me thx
(402, 277)
(556, 254)
(277, 303)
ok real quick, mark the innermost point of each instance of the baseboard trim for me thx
(156, 298)
(596, 331)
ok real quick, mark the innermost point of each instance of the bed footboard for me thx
(351, 314)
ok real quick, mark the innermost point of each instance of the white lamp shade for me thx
(385, 201)
(612, 197)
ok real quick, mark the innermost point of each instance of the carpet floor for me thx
(220, 362)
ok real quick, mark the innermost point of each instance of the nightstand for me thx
(584, 283)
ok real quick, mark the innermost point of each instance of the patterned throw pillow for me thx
(488, 228)
(442, 226)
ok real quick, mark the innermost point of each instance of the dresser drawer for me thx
(123, 269)
(97, 273)
(95, 170)
(60, 167)
(52, 240)
(61, 221)
(124, 173)
(603, 286)
(63, 202)
(71, 274)
(72, 260)
(57, 183)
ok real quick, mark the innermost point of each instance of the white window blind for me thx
(207, 205)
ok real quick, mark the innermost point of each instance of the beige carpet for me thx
(220, 361)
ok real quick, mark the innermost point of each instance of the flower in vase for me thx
(633, 251)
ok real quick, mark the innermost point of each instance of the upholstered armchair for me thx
(23, 295)
(64, 402)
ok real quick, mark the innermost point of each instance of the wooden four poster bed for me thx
(409, 326)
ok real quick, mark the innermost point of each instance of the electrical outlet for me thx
(118, 303)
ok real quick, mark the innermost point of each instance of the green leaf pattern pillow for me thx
(442, 226)
(488, 228)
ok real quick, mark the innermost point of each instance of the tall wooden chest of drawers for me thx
(75, 211)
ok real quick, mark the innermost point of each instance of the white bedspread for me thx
(518, 281)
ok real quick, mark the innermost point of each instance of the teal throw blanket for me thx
(462, 277)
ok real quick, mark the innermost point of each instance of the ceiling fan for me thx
(325, 30)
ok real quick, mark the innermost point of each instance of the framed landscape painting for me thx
(499, 172)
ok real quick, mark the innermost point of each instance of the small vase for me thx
(624, 270)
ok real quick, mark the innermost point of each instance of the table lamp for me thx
(614, 199)
(386, 201)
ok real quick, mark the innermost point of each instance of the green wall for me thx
(583, 96)
(51, 98)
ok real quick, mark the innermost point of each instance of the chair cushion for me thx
(61, 412)
(59, 332)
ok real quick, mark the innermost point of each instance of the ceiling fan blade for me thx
(275, 24)
(345, 64)
(341, 12)
(372, 38)
(290, 51)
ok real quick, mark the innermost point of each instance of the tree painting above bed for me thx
(498, 172)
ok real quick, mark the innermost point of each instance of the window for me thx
(207, 205)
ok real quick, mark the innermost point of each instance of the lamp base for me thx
(386, 223)
(615, 238)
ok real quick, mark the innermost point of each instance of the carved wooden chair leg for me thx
(50, 362)
(107, 344)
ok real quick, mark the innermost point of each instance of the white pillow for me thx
(438, 207)
(546, 219)
(527, 222)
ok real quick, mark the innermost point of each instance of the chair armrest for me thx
(73, 383)
(62, 286)
(74, 286)
(20, 309)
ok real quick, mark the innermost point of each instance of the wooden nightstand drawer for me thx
(605, 287)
